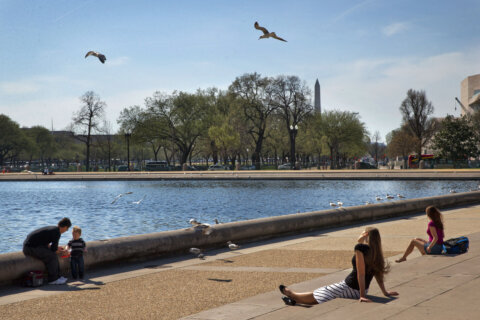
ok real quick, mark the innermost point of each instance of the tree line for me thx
(264, 119)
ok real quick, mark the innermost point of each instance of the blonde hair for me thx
(77, 229)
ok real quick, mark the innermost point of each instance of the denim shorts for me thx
(436, 249)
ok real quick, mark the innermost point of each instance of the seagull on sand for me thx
(197, 252)
(139, 201)
(120, 195)
(100, 56)
(267, 34)
(232, 245)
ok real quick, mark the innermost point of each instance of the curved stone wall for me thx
(15, 265)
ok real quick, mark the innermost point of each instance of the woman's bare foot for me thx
(401, 260)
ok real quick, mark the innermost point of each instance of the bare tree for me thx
(88, 120)
(256, 97)
(416, 110)
(293, 98)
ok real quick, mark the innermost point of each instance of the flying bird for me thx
(378, 198)
(389, 196)
(400, 196)
(206, 228)
(139, 201)
(267, 34)
(333, 204)
(120, 195)
(232, 245)
(339, 203)
(100, 56)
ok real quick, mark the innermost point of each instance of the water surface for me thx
(168, 205)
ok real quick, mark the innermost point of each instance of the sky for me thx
(366, 54)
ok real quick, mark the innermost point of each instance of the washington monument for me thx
(318, 104)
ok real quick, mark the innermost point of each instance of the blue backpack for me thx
(456, 245)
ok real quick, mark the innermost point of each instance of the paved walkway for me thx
(243, 284)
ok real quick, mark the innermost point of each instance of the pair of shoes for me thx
(289, 301)
(60, 280)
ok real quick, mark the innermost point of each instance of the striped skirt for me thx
(336, 290)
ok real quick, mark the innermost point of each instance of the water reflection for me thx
(169, 205)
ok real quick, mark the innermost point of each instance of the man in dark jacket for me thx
(43, 244)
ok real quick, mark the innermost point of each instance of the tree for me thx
(183, 116)
(255, 96)
(88, 120)
(416, 109)
(43, 143)
(293, 98)
(401, 142)
(343, 133)
(12, 139)
(456, 140)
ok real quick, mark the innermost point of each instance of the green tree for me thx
(416, 111)
(456, 140)
(87, 120)
(344, 134)
(184, 116)
(43, 143)
(12, 139)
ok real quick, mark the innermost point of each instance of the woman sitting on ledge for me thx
(368, 262)
(434, 245)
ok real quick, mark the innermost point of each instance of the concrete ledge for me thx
(14, 266)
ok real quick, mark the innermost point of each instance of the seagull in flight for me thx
(267, 34)
(206, 228)
(139, 201)
(400, 196)
(100, 56)
(120, 195)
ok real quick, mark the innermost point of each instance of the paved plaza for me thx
(243, 284)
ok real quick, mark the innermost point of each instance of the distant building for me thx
(318, 103)
(470, 94)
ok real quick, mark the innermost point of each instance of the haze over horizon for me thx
(365, 54)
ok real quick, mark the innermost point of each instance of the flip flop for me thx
(289, 301)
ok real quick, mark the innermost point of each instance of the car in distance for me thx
(157, 166)
(216, 167)
(285, 166)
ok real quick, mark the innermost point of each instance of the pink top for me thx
(439, 233)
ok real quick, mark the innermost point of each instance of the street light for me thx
(127, 138)
(293, 133)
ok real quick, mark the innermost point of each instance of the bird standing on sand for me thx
(232, 245)
(100, 56)
(267, 34)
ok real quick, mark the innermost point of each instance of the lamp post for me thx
(293, 133)
(127, 138)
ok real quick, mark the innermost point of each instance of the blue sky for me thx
(366, 54)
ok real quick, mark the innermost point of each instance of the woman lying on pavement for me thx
(368, 262)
